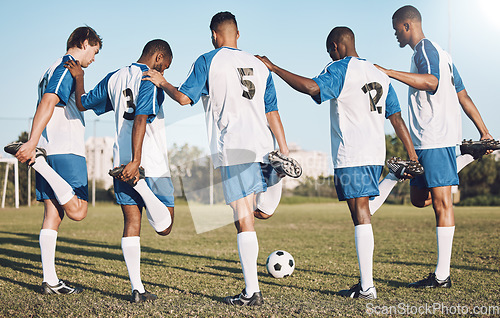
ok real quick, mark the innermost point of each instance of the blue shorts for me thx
(440, 168)
(72, 168)
(239, 181)
(357, 182)
(161, 187)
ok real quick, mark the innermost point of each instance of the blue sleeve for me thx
(331, 81)
(391, 103)
(427, 59)
(61, 83)
(197, 82)
(97, 99)
(147, 101)
(457, 80)
(270, 99)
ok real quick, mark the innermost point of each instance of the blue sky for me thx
(291, 33)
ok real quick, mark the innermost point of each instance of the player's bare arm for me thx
(131, 170)
(157, 78)
(299, 83)
(43, 114)
(472, 112)
(423, 82)
(77, 72)
(403, 134)
(274, 120)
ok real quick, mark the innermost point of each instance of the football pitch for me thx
(191, 272)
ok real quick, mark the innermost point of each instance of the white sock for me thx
(48, 240)
(131, 247)
(63, 191)
(385, 187)
(158, 214)
(363, 235)
(444, 237)
(248, 249)
(463, 161)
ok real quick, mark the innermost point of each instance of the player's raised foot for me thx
(243, 300)
(284, 165)
(404, 169)
(431, 282)
(478, 149)
(60, 289)
(13, 148)
(116, 172)
(140, 298)
(356, 292)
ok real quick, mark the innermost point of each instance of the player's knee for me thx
(77, 215)
(166, 231)
(261, 215)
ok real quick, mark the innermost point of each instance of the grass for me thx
(191, 273)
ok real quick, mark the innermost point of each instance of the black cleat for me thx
(60, 289)
(431, 282)
(115, 173)
(402, 168)
(284, 165)
(13, 148)
(140, 298)
(356, 292)
(242, 300)
(478, 149)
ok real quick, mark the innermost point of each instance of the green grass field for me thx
(191, 273)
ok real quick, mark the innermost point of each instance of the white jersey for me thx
(64, 133)
(238, 91)
(435, 117)
(128, 95)
(361, 97)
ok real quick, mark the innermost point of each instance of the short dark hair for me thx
(407, 13)
(79, 35)
(220, 18)
(339, 34)
(157, 45)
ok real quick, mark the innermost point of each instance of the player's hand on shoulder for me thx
(153, 76)
(381, 68)
(74, 68)
(266, 61)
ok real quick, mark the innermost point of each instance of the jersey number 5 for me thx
(374, 86)
(130, 112)
(249, 93)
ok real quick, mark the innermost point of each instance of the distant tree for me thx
(480, 178)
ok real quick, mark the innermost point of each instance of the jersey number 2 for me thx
(130, 112)
(374, 86)
(249, 93)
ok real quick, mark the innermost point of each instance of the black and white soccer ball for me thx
(280, 264)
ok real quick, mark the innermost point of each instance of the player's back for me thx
(128, 95)
(238, 91)
(357, 115)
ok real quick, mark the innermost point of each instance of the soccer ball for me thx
(280, 264)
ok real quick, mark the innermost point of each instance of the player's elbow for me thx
(431, 83)
(312, 89)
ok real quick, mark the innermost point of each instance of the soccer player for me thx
(435, 93)
(242, 116)
(140, 141)
(56, 150)
(361, 97)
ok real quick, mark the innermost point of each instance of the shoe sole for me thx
(284, 164)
